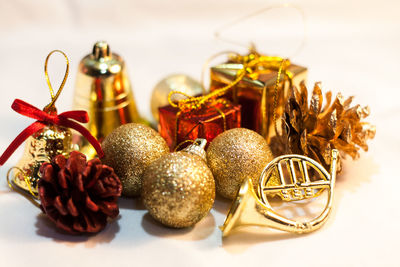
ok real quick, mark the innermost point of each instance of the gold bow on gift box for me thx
(257, 92)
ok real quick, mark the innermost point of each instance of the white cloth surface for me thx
(352, 46)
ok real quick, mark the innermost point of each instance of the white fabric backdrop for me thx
(352, 46)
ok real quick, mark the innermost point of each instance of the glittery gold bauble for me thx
(129, 149)
(235, 155)
(174, 82)
(178, 189)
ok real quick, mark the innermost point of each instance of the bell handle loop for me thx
(32, 196)
(54, 97)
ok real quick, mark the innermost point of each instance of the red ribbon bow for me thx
(43, 118)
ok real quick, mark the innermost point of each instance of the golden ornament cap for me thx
(197, 148)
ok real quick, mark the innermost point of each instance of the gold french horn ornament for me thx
(292, 178)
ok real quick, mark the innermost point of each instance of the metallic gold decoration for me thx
(314, 130)
(129, 149)
(250, 65)
(41, 147)
(254, 77)
(28, 194)
(44, 144)
(250, 209)
(175, 82)
(178, 188)
(103, 89)
(234, 156)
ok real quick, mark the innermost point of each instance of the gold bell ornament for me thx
(292, 178)
(48, 136)
(104, 90)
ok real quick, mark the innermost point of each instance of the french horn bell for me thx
(251, 208)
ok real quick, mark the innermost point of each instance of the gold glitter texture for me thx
(178, 189)
(235, 155)
(129, 149)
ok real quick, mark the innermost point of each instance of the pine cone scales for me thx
(77, 195)
(314, 130)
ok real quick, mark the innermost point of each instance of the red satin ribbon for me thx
(43, 118)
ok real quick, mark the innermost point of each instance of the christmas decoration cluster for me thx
(233, 140)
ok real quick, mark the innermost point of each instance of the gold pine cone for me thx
(313, 130)
(178, 189)
(236, 155)
(129, 149)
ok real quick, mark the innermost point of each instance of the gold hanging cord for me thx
(54, 97)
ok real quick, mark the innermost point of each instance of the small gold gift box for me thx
(256, 92)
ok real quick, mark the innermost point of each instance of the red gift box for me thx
(177, 126)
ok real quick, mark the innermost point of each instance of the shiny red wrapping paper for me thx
(177, 126)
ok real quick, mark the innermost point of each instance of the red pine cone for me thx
(79, 196)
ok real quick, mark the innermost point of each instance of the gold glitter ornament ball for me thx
(178, 189)
(235, 155)
(129, 149)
